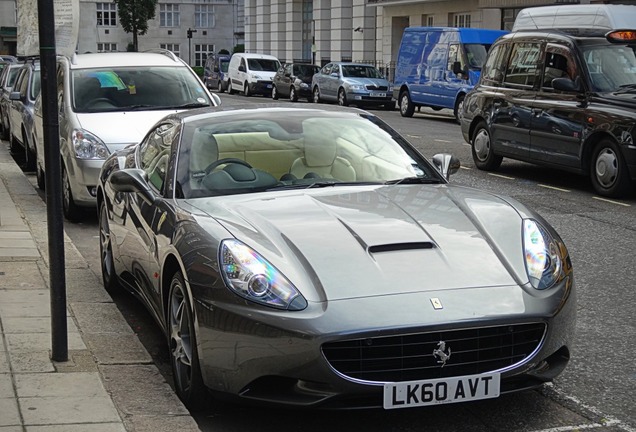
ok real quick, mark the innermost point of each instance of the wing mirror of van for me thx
(567, 85)
(216, 68)
(241, 68)
(457, 68)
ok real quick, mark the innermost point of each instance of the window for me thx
(558, 64)
(461, 20)
(169, 15)
(201, 53)
(171, 47)
(523, 67)
(428, 20)
(492, 72)
(455, 55)
(204, 16)
(155, 153)
(106, 47)
(106, 14)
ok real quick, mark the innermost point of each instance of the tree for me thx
(134, 16)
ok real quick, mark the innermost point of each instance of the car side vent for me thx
(400, 247)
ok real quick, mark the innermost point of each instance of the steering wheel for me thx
(223, 161)
(100, 100)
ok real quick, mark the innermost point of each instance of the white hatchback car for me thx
(107, 101)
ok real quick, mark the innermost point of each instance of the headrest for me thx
(320, 145)
(203, 151)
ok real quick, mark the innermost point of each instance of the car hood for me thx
(368, 241)
(116, 129)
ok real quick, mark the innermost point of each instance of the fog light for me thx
(92, 190)
(357, 97)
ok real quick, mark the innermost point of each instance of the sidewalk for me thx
(109, 383)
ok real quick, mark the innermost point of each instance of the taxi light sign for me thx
(621, 36)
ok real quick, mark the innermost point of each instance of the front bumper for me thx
(260, 87)
(367, 99)
(268, 356)
(83, 176)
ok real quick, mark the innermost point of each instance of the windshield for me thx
(139, 87)
(235, 152)
(355, 71)
(476, 54)
(224, 64)
(305, 70)
(611, 66)
(264, 65)
(13, 75)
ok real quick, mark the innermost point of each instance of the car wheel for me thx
(219, 87)
(246, 89)
(14, 147)
(459, 107)
(40, 176)
(342, 98)
(4, 132)
(230, 90)
(483, 155)
(274, 93)
(69, 208)
(406, 105)
(316, 94)
(610, 176)
(30, 156)
(184, 357)
(293, 96)
(106, 252)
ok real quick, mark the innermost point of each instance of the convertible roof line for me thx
(401, 247)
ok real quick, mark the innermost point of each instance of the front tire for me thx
(316, 94)
(246, 89)
(610, 176)
(230, 90)
(109, 278)
(40, 177)
(184, 357)
(342, 98)
(483, 154)
(219, 87)
(274, 93)
(293, 96)
(30, 157)
(69, 208)
(459, 107)
(407, 108)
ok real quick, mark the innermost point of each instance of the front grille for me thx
(410, 357)
(374, 87)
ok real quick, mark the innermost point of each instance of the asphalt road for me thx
(595, 392)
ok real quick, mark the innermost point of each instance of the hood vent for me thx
(400, 247)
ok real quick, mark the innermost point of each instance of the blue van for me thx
(437, 66)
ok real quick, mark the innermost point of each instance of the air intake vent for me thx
(400, 247)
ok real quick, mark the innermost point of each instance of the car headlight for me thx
(87, 145)
(304, 85)
(256, 76)
(250, 276)
(545, 256)
(356, 87)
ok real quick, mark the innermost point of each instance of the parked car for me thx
(215, 74)
(22, 97)
(561, 97)
(293, 80)
(352, 83)
(7, 80)
(467, 295)
(8, 58)
(108, 101)
(437, 66)
(252, 73)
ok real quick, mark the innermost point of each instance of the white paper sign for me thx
(66, 27)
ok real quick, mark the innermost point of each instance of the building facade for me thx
(365, 30)
(218, 24)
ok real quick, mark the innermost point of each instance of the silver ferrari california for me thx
(313, 257)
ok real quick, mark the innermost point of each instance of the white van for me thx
(252, 73)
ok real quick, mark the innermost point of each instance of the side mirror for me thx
(334, 74)
(216, 68)
(287, 74)
(241, 68)
(14, 95)
(446, 164)
(566, 84)
(133, 180)
(457, 68)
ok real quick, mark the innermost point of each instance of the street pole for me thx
(55, 224)
(190, 31)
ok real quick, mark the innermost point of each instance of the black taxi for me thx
(563, 97)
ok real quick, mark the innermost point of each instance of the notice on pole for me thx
(66, 27)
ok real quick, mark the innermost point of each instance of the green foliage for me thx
(198, 70)
(134, 16)
(224, 51)
(239, 48)
(130, 47)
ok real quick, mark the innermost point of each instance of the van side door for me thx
(557, 116)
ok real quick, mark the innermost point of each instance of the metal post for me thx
(57, 275)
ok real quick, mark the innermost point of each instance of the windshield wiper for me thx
(146, 107)
(321, 184)
(191, 105)
(626, 88)
(413, 180)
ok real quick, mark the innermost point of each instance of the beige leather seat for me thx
(320, 156)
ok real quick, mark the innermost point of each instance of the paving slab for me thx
(9, 414)
(31, 296)
(13, 310)
(6, 386)
(100, 318)
(60, 384)
(84, 427)
(161, 423)
(28, 342)
(34, 325)
(34, 361)
(4, 361)
(113, 348)
(68, 409)
(20, 276)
